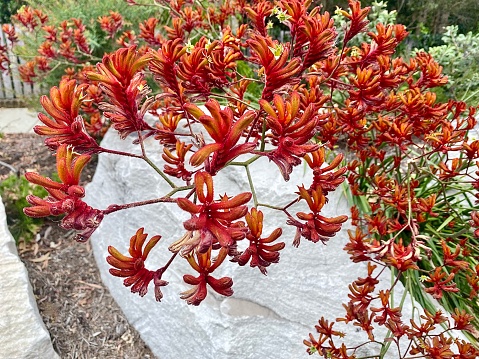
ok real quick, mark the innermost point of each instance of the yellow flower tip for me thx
(276, 10)
(282, 16)
(277, 50)
(189, 47)
(355, 52)
(341, 12)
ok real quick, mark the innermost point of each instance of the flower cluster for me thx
(405, 158)
(133, 268)
(65, 197)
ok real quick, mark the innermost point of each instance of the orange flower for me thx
(65, 197)
(323, 176)
(120, 78)
(277, 69)
(65, 126)
(213, 219)
(317, 227)
(133, 268)
(205, 266)
(261, 253)
(291, 130)
(225, 130)
(442, 282)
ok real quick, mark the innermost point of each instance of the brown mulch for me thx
(83, 319)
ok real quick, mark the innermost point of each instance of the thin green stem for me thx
(263, 136)
(245, 163)
(251, 185)
(152, 165)
(269, 206)
(232, 98)
(160, 172)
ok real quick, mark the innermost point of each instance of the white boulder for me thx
(267, 317)
(22, 332)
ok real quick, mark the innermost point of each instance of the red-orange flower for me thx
(463, 320)
(358, 18)
(291, 130)
(442, 282)
(65, 126)
(260, 251)
(149, 33)
(323, 176)
(164, 68)
(65, 197)
(213, 218)
(204, 265)
(133, 268)
(122, 81)
(176, 161)
(385, 312)
(317, 227)
(277, 69)
(320, 36)
(9, 30)
(258, 13)
(225, 130)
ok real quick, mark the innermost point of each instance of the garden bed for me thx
(77, 309)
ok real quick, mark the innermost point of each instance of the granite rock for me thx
(22, 332)
(267, 317)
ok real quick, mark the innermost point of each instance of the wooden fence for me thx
(12, 89)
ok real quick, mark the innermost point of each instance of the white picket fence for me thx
(11, 86)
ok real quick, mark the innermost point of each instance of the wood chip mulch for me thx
(83, 319)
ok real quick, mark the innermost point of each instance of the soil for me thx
(83, 319)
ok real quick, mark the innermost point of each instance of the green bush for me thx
(13, 191)
(460, 58)
(8, 8)
(89, 11)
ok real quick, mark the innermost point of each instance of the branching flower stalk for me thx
(407, 158)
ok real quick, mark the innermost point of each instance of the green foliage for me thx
(425, 20)
(460, 58)
(254, 89)
(89, 11)
(459, 54)
(428, 19)
(379, 14)
(446, 227)
(8, 8)
(13, 191)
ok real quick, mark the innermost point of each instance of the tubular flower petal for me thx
(323, 176)
(226, 130)
(65, 197)
(358, 18)
(278, 71)
(317, 227)
(65, 125)
(292, 131)
(260, 251)
(122, 82)
(202, 263)
(213, 219)
(177, 161)
(133, 268)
